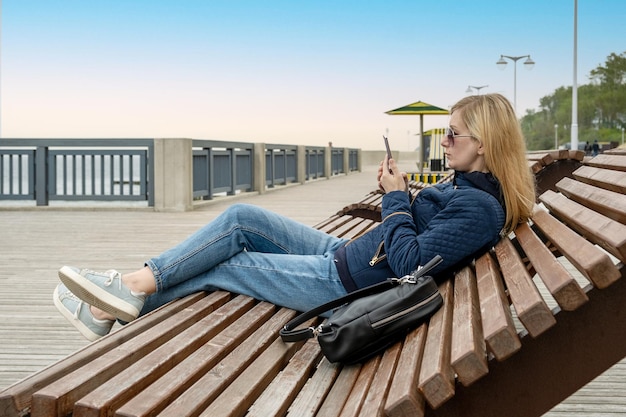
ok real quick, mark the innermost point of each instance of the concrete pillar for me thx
(301, 164)
(259, 168)
(346, 160)
(328, 157)
(173, 174)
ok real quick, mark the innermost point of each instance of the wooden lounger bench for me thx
(550, 166)
(495, 348)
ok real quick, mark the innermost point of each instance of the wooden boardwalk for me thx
(34, 243)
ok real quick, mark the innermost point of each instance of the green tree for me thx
(611, 95)
(601, 109)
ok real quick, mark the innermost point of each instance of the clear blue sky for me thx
(281, 71)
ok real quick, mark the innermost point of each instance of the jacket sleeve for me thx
(469, 223)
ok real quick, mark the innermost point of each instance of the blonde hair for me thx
(491, 119)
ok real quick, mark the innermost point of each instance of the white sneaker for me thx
(104, 290)
(78, 313)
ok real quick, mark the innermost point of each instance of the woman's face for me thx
(463, 152)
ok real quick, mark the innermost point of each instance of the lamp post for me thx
(622, 136)
(556, 136)
(475, 87)
(529, 64)
(574, 131)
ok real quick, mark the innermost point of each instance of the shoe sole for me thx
(93, 295)
(84, 330)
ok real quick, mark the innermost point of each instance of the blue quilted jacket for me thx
(458, 220)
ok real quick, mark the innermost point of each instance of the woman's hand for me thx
(390, 178)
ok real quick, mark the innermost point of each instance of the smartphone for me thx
(389, 156)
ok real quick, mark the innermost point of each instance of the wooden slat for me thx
(557, 154)
(575, 154)
(606, 233)
(498, 326)
(208, 387)
(60, 396)
(530, 307)
(535, 166)
(283, 389)
(338, 226)
(545, 158)
(324, 223)
(372, 201)
(338, 395)
(354, 402)
(469, 356)
(404, 398)
(561, 284)
(374, 404)
(436, 380)
(157, 396)
(590, 261)
(609, 203)
(616, 151)
(348, 226)
(603, 178)
(314, 392)
(608, 161)
(241, 393)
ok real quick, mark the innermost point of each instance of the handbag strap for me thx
(288, 332)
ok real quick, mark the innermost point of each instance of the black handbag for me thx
(371, 319)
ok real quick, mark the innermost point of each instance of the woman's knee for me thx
(242, 212)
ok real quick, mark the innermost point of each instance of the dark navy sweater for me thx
(458, 220)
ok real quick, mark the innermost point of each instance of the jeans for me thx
(252, 251)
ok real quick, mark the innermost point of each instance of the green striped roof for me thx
(419, 107)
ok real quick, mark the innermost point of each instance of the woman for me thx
(248, 250)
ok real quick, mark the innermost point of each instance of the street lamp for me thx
(622, 136)
(556, 136)
(529, 64)
(475, 87)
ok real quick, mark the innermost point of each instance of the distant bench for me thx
(219, 354)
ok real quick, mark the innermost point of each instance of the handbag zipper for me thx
(394, 316)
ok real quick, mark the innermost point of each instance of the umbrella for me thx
(420, 108)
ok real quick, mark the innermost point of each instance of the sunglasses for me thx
(451, 136)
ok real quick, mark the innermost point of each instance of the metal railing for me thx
(281, 165)
(76, 169)
(124, 169)
(222, 167)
